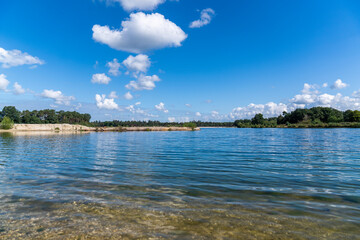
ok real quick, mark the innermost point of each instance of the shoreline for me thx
(82, 128)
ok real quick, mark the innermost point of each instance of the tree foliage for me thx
(313, 117)
(6, 123)
(44, 116)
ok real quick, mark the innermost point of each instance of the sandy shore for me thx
(80, 128)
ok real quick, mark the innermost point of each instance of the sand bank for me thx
(80, 128)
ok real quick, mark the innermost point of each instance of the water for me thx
(212, 184)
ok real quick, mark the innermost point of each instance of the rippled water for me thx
(212, 184)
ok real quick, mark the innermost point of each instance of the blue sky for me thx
(238, 59)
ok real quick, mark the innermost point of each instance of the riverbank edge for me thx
(82, 128)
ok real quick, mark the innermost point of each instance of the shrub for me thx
(6, 123)
(190, 125)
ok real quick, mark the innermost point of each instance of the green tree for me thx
(191, 125)
(6, 123)
(349, 116)
(258, 119)
(356, 116)
(12, 113)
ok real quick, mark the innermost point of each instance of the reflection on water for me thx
(212, 184)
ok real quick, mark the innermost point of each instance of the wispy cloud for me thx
(205, 18)
(13, 58)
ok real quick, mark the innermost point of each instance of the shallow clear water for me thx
(211, 184)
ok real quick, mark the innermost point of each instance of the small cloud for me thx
(325, 85)
(114, 66)
(356, 94)
(128, 96)
(78, 106)
(171, 119)
(18, 89)
(214, 114)
(100, 78)
(96, 64)
(143, 83)
(339, 84)
(137, 64)
(105, 103)
(205, 18)
(59, 98)
(161, 108)
(188, 105)
(198, 114)
(113, 95)
(310, 89)
(4, 83)
(13, 58)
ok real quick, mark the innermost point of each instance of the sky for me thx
(179, 60)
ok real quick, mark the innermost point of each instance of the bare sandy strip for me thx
(81, 128)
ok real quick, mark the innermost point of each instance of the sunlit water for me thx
(211, 184)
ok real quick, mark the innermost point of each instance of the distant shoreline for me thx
(81, 128)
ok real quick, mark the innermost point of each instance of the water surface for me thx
(212, 184)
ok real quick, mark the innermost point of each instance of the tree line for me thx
(313, 117)
(47, 116)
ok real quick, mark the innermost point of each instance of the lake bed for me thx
(208, 184)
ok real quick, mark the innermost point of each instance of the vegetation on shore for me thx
(317, 117)
(6, 123)
(47, 116)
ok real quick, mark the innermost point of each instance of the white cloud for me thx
(100, 78)
(161, 107)
(105, 103)
(183, 119)
(114, 66)
(198, 114)
(339, 84)
(325, 85)
(188, 105)
(78, 106)
(325, 99)
(268, 110)
(143, 83)
(18, 89)
(13, 58)
(214, 113)
(138, 103)
(128, 96)
(171, 119)
(4, 83)
(134, 109)
(205, 18)
(356, 94)
(113, 95)
(139, 63)
(142, 5)
(59, 98)
(141, 33)
(310, 97)
(309, 89)
(304, 99)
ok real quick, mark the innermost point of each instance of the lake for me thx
(211, 184)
